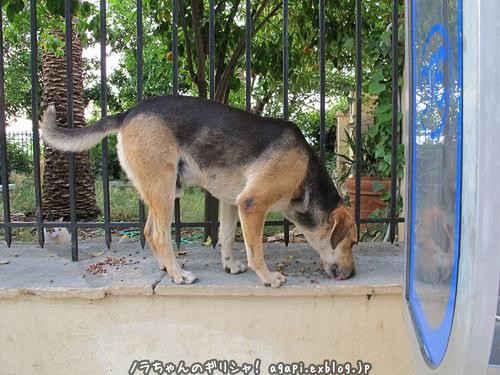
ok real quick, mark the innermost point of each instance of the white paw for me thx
(234, 267)
(183, 277)
(277, 280)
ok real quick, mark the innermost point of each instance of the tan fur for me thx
(343, 236)
(435, 238)
(339, 231)
(153, 171)
(269, 185)
(227, 232)
(267, 182)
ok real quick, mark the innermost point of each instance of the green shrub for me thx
(18, 159)
(114, 169)
(309, 124)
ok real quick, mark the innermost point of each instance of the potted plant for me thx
(376, 139)
(376, 159)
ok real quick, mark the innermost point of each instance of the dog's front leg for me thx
(252, 216)
(228, 221)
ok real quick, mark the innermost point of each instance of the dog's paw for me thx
(183, 277)
(278, 280)
(234, 267)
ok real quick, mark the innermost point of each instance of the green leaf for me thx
(349, 43)
(379, 151)
(372, 131)
(378, 76)
(376, 88)
(56, 7)
(234, 83)
(401, 150)
(386, 196)
(13, 8)
(377, 186)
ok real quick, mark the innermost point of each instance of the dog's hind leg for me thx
(149, 234)
(228, 221)
(150, 159)
(252, 211)
(159, 196)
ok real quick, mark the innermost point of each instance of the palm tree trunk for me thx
(55, 178)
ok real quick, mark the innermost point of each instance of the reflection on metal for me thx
(436, 174)
(435, 94)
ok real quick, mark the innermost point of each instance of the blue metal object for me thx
(436, 176)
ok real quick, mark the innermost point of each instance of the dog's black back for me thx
(215, 134)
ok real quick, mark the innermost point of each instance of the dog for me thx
(252, 164)
(434, 239)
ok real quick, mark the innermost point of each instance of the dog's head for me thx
(334, 242)
(435, 240)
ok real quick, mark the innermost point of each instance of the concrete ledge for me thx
(128, 270)
(49, 272)
(57, 315)
(379, 270)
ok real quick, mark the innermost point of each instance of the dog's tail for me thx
(78, 139)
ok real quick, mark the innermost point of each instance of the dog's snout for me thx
(340, 273)
(334, 269)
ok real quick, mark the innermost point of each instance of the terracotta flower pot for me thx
(370, 199)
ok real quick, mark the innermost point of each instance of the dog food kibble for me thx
(101, 267)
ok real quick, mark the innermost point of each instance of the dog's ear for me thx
(342, 222)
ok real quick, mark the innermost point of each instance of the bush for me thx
(18, 159)
(114, 169)
(309, 124)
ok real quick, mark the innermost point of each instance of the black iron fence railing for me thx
(23, 140)
(210, 224)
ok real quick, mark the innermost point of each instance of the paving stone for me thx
(379, 269)
(49, 271)
(130, 270)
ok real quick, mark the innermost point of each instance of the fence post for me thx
(3, 145)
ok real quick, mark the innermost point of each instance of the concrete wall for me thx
(77, 336)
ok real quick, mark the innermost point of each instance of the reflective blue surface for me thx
(436, 175)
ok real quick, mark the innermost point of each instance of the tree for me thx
(56, 176)
(266, 74)
(55, 179)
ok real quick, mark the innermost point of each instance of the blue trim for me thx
(434, 341)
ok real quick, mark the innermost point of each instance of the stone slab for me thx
(379, 269)
(127, 269)
(130, 270)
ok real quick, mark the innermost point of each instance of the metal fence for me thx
(24, 140)
(211, 221)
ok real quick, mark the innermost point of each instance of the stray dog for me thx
(435, 239)
(252, 164)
